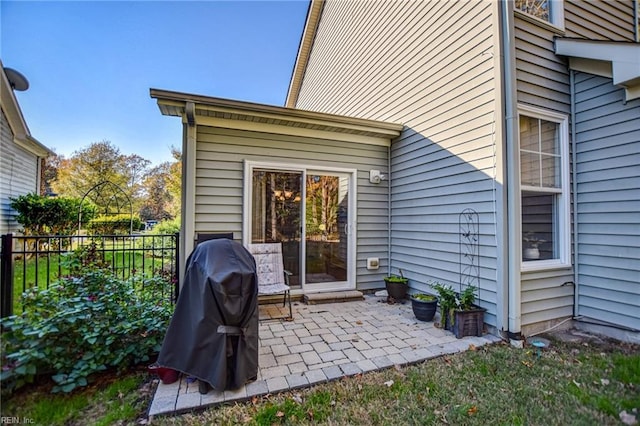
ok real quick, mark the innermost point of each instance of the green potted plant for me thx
(448, 304)
(397, 286)
(424, 306)
(458, 312)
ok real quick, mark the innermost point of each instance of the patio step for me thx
(332, 297)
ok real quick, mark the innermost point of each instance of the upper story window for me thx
(551, 11)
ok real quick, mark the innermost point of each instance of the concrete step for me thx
(332, 297)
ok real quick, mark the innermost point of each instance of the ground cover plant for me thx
(586, 382)
(87, 322)
(121, 256)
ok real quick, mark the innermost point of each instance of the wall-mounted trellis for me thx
(469, 258)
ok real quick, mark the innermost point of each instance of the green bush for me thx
(119, 224)
(167, 227)
(41, 215)
(82, 325)
(160, 246)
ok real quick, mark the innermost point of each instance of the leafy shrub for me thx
(448, 300)
(167, 227)
(83, 259)
(41, 215)
(119, 224)
(467, 298)
(82, 325)
(160, 246)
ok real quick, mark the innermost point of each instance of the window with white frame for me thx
(544, 187)
(551, 11)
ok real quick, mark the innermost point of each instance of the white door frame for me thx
(247, 208)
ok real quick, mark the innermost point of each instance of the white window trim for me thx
(564, 210)
(557, 17)
(249, 166)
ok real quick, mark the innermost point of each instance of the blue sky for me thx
(90, 64)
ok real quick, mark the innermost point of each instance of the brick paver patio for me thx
(322, 343)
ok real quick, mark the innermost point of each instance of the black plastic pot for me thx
(397, 289)
(424, 310)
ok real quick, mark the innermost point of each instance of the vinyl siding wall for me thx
(430, 66)
(18, 176)
(543, 81)
(220, 156)
(610, 20)
(608, 202)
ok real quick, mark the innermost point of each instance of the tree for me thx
(162, 187)
(136, 169)
(50, 172)
(158, 197)
(100, 162)
(174, 182)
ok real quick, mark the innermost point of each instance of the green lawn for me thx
(585, 383)
(48, 269)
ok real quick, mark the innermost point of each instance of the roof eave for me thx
(174, 104)
(16, 120)
(304, 52)
(619, 61)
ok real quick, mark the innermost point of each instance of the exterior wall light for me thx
(376, 176)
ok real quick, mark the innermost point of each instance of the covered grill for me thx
(213, 334)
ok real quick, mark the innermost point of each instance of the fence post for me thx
(6, 276)
(176, 269)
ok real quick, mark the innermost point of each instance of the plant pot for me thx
(532, 253)
(397, 289)
(469, 322)
(167, 375)
(424, 310)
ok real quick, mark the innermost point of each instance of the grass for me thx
(112, 400)
(569, 384)
(27, 273)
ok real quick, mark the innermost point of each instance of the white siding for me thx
(429, 65)
(608, 202)
(18, 176)
(220, 160)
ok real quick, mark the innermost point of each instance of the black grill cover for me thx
(213, 334)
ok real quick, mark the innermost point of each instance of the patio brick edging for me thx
(169, 401)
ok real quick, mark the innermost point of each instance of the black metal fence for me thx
(28, 262)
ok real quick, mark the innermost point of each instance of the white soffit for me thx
(617, 60)
(240, 115)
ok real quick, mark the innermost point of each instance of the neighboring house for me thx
(21, 156)
(531, 121)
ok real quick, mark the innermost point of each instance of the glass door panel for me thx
(326, 227)
(276, 214)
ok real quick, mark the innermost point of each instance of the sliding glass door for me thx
(326, 227)
(276, 214)
(309, 212)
